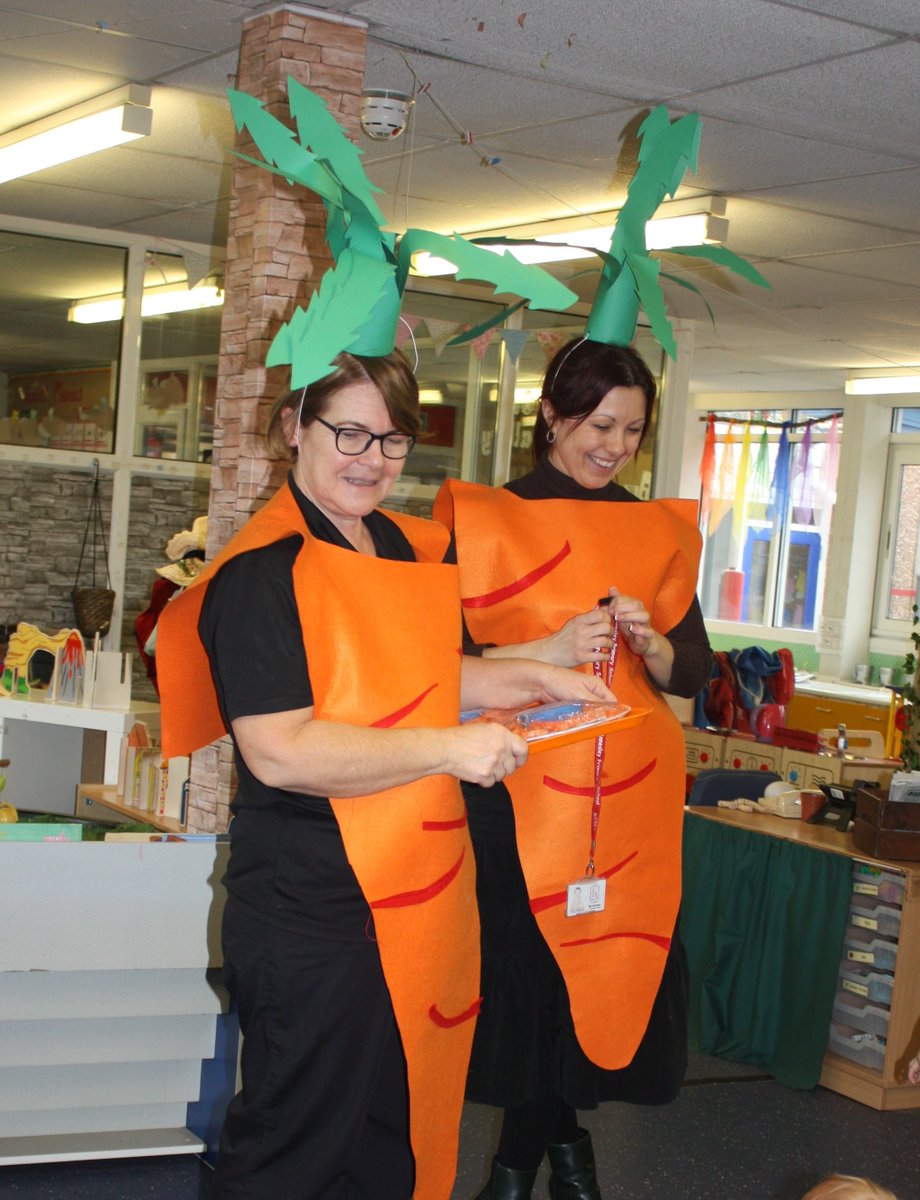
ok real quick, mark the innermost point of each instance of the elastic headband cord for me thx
(403, 321)
(565, 358)
(303, 396)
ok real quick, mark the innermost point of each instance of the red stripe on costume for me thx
(394, 717)
(610, 789)
(656, 939)
(441, 826)
(443, 1022)
(487, 599)
(556, 898)
(421, 895)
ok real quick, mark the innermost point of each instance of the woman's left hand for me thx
(635, 629)
(634, 623)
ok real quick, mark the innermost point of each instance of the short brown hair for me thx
(581, 374)
(390, 374)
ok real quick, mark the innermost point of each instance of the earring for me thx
(550, 436)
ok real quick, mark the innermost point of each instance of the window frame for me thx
(903, 450)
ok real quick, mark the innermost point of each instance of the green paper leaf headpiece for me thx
(630, 276)
(356, 307)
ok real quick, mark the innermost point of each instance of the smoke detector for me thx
(384, 113)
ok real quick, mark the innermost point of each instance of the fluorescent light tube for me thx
(98, 124)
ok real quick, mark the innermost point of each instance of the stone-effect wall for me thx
(276, 255)
(46, 510)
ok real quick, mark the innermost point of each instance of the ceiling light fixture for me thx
(882, 385)
(108, 120)
(156, 301)
(683, 228)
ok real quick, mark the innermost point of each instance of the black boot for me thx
(573, 1176)
(505, 1184)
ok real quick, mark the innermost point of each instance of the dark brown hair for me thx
(390, 374)
(581, 374)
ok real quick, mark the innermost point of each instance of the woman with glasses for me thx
(332, 633)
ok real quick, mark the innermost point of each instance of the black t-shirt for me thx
(287, 858)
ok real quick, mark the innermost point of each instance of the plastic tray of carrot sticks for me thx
(548, 726)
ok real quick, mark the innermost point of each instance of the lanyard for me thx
(600, 743)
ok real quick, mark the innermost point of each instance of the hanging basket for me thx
(92, 608)
(92, 603)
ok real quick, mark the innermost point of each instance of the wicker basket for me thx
(92, 608)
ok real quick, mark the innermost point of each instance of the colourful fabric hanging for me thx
(802, 484)
(739, 506)
(707, 470)
(779, 486)
(725, 485)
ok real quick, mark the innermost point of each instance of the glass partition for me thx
(58, 377)
(180, 341)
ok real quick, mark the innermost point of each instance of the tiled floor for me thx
(731, 1135)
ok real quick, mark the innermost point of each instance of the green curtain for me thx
(763, 921)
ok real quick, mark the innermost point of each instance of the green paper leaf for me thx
(725, 258)
(318, 129)
(470, 335)
(278, 146)
(503, 271)
(334, 319)
(691, 287)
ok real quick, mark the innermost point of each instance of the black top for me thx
(692, 653)
(287, 858)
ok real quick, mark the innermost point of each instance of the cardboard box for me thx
(747, 754)
(811, 770)
(703, 749)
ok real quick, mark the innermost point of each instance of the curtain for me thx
(763, 921)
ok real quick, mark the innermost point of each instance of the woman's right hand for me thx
(483, 752)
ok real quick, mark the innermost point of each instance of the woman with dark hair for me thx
(581, 1004)
(324, 639)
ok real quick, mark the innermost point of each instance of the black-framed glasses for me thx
(355, 441)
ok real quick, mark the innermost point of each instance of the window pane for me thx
(905, 560)
(768, 521)
(58, 377)
(175, 399)
(905, 420)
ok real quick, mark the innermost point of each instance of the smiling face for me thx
(591, 451)
(347, 487)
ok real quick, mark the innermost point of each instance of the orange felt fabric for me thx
(526, 566)
(382, 643)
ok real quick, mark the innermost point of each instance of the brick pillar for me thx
(276, 255)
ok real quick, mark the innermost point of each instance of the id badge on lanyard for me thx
(589, 894)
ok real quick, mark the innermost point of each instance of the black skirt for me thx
(525, 1040)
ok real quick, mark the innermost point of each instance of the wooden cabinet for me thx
(810, 709)
(884, 1086)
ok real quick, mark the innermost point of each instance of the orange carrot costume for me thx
(525, 567)
(409, 845)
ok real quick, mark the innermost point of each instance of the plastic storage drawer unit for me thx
(863, 981)
(864, 1048)
(859, 1013)
(865, 947)
(869, 880)
(870, 914)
